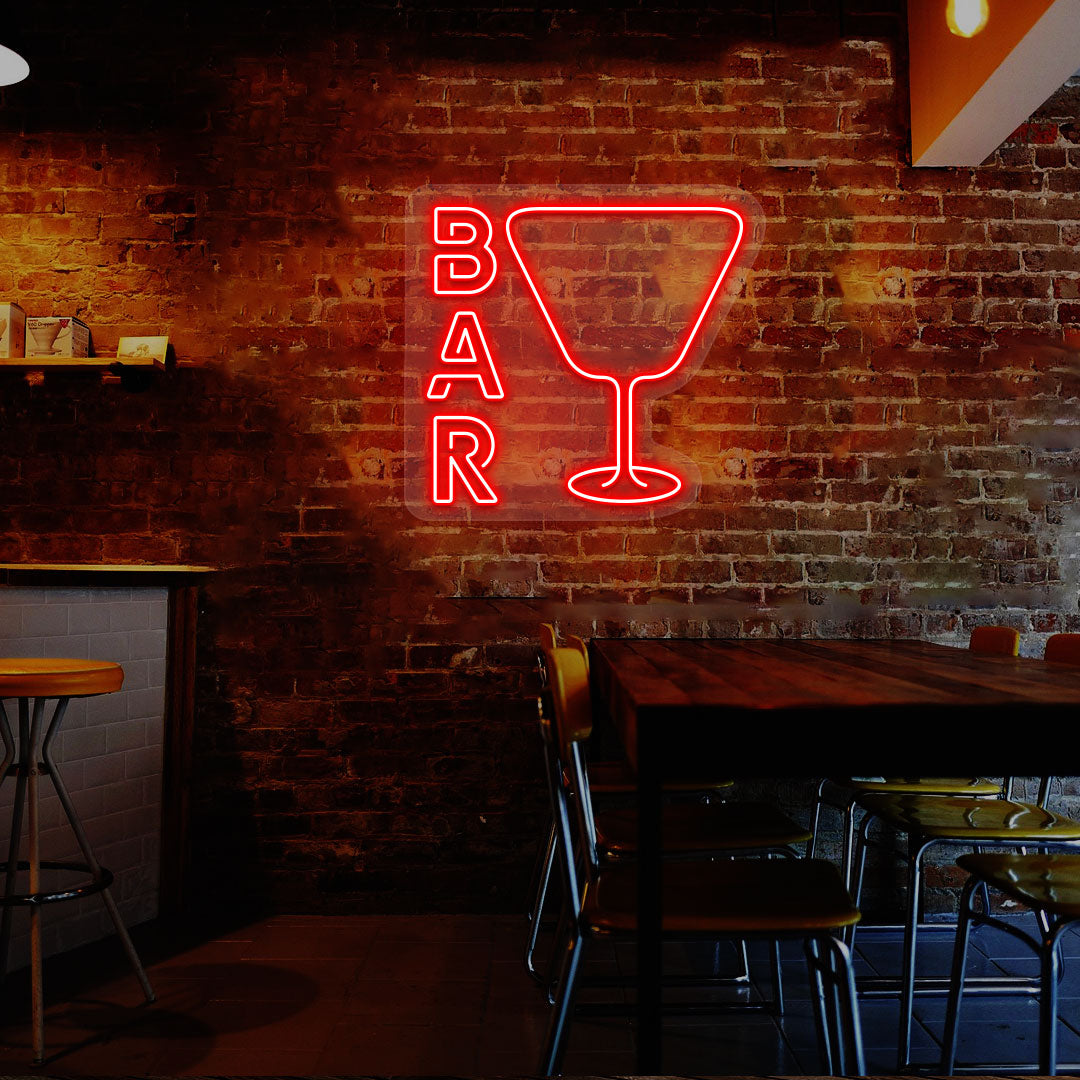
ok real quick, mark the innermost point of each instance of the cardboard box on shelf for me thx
(12, 331)
(57, 336)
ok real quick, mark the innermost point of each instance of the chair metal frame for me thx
(828, 958)
(917, 847)
(1051, 970)
(847, 809)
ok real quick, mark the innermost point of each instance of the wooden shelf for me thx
(114, 568)
(79, 363)
(92, 575)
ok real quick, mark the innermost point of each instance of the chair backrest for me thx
(995, 641)
(547, 637)
(1063, 649)
(572, 707)
(574, 642)
(568, 677)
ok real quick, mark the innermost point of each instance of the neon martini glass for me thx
(626, 481)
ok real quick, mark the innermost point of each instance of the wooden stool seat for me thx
(38, 677)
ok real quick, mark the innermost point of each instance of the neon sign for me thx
(522, 302)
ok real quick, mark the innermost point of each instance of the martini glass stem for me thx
(624, 437)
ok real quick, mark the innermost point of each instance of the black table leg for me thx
(649, 947)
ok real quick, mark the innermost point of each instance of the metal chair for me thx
(1047, 884)
(846, 790)
(995, 641)
(729, 898)
(606, 778)
(1063, 649)
(929, 822)
(1050, 886)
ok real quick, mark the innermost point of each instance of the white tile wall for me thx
(109, 750)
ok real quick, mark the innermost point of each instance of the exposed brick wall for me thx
(887, 428)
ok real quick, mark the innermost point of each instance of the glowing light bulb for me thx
(967, 17)
(13, 68)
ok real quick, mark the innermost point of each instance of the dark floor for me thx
(447, 995)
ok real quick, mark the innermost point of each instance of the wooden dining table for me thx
(772, 708)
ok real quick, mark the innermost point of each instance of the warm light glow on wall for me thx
(967, 17)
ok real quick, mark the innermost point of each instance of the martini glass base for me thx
(600, 485)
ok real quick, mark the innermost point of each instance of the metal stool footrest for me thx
(97, 883)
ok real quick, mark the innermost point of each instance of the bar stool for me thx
(59, 681)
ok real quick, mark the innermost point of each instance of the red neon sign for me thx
(451, 460)
(565, 288)
(459, 226)
(466, 350)
(625, 481)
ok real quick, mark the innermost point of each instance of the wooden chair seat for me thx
(971, 786)
(37, 677)
(732, 897)
(1048, 882)
(971, 820)
(617, 778)
(694, 827)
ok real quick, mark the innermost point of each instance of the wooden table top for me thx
(807, 696)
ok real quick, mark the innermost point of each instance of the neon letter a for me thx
(466, 349)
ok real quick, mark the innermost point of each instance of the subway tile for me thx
(141, 704)
(103, 770)
(83, 743)
(88, 618)
(142, 762)
(136, 675)
(125, 735)
(148, 644)
(24, 645)
(45, 620)
(123, 795)
(112, 646)
(129, 615)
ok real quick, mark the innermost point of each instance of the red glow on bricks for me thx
(518, 301)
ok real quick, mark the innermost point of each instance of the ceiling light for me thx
(13, 68)
(967, 17)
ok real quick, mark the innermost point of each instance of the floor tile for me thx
(448, 995)
(456, 961)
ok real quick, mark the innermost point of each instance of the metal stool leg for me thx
(84, 846)
(16, 818)
(37, 990)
